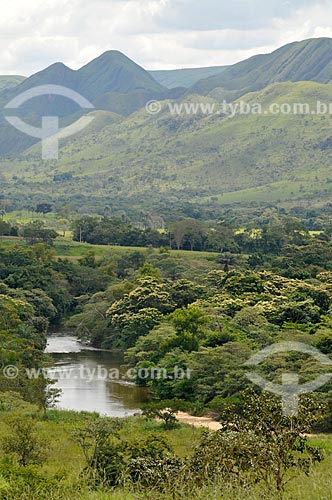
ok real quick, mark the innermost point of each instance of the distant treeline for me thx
(112, 231)
(270, 236)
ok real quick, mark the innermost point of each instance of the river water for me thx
(80, 371)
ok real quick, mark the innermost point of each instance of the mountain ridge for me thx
(166, 160)
(141, 159)
(112, 82)
(307, 60)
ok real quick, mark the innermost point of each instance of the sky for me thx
(157, 34)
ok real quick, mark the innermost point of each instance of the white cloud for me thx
(155, 33)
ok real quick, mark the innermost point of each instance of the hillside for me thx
(112, 82)
(114, 72)
(309, 60)
(110, 72)
(185, 77)
(9, 81)
(165, 161)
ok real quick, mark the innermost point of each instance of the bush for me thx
(24, 442)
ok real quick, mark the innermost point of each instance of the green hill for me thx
(9, 81)
(184, 77)
(114, 72)
(101, 119)
(112, 82)
(309, 60)
(164, 161)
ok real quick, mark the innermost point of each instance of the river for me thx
(80, 373)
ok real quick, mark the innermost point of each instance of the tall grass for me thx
(64, 479)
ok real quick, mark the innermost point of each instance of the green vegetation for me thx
(308, 60)
(186, 243)
(180, 165)
(80, 455)
(265, 286)
(194, 316)
(186, 165)
(9, 81)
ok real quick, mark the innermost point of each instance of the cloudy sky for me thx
(158, 34)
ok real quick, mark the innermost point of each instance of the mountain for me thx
(184, 77)
(115, 83)
(129, 158)
(112, 72)
(9, 81)
(166, 161)
(111, 82)
(309, 60)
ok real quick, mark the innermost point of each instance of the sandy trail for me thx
(185, 418)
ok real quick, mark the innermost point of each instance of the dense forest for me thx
(204, 311)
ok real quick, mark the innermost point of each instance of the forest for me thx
(204, 298)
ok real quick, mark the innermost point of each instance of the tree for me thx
(89, 259)
(189, 319)
(24, 442)
(149, 293)
(178, 231)
(107, 211)
(98, 440)
(164, 411)
(44, 208)
(36, 231)
(189, 232)
(44, 394)
(275, 444)
(227, 260)
(129, 327)
(5, 228)
(64, 224)
(184, 292)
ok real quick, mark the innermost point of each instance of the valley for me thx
(164, 273)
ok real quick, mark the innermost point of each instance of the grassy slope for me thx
(194, 265)
(9, 81)
(175, 158)
(305, 60)
(66, 457)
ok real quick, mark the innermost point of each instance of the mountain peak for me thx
(54, 70)
(113, 71)
(110, 56)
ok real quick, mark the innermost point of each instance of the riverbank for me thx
(207, 422)
(82, 374)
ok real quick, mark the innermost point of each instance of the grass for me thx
(26, 216)
(66, 457)
(167, 161)
(66, 247)
(192, 265)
